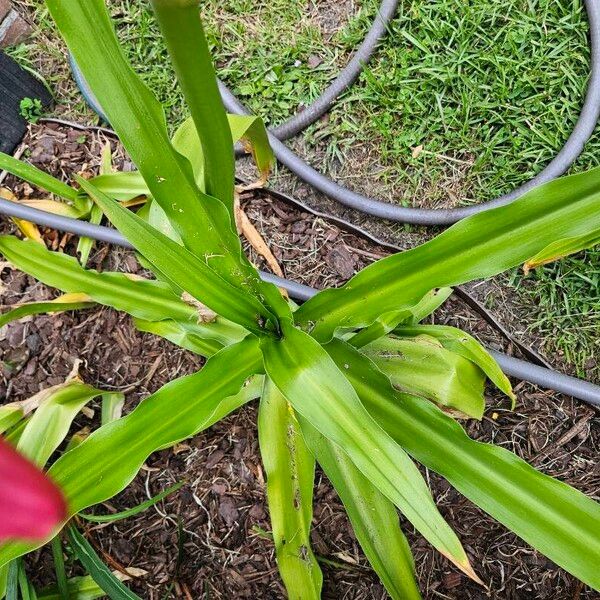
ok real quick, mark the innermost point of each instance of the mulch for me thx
(210, 539)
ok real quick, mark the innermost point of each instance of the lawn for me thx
(463, 102)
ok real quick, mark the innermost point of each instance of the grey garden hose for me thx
(589, 115)
(547, 378)
(346, 77)
(420, 216)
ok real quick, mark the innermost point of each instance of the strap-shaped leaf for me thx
(12, 584)
(422, 366)
(85, 244)
(37, 177)
(477, 247)
(10, 415)
(373, 517)
(388, 321)
(98, 468)
(466, 346)
(125, 185)
(58, 558)
(561, 248)
(319, 391)
(290, 470)
(185, 269)
(25, 586)
(205, 339)
(149, 301)
(79, 588)
(101, 574)
(131, 512)
(142, 298)
(202, 221)
(50, 423)
(179, 21)
(553, 517)
(60, 304)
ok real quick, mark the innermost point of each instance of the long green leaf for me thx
(50, 423)
(125, 185)
(422, 366)
(59, 567)
(97, 469)
(290, 470)
(146, 300)
(477, 247)
(466, 346)
(68, 302)
(373, 517)
(80, 588)
(185, 269)
(389, 321)
(25, 586)
(554, 518)
(561, 248)
(131, 512)
(141, 298)
(85, 244)
(203, 222)
(205, 339)
(178, 335)
(182, 30)
(12, 584)
(308, 378)
(36, 177)
(100, 573)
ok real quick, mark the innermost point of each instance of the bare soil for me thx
(208, 540)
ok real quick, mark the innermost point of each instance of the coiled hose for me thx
(585, 125)
(572, 148)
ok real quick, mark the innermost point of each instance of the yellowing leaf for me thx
(562, 248)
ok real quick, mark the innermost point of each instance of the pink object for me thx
(31, 505)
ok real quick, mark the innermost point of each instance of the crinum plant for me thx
(350, 380)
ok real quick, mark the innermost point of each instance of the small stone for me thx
(214, 458)
(13, 29)
(15, 334)
(341, 260)
(5, 8)
(314, 61)
(452, 580)
(33, 342)
(228, 511)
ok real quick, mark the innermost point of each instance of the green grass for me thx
(489, 89)
(565, 297)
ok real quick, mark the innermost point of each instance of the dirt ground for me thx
(208, 540)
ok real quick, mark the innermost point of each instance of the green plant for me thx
(31, 109)
(332, 375)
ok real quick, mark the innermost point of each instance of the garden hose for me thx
(573, 147)
(521, 369)
(583, 129)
